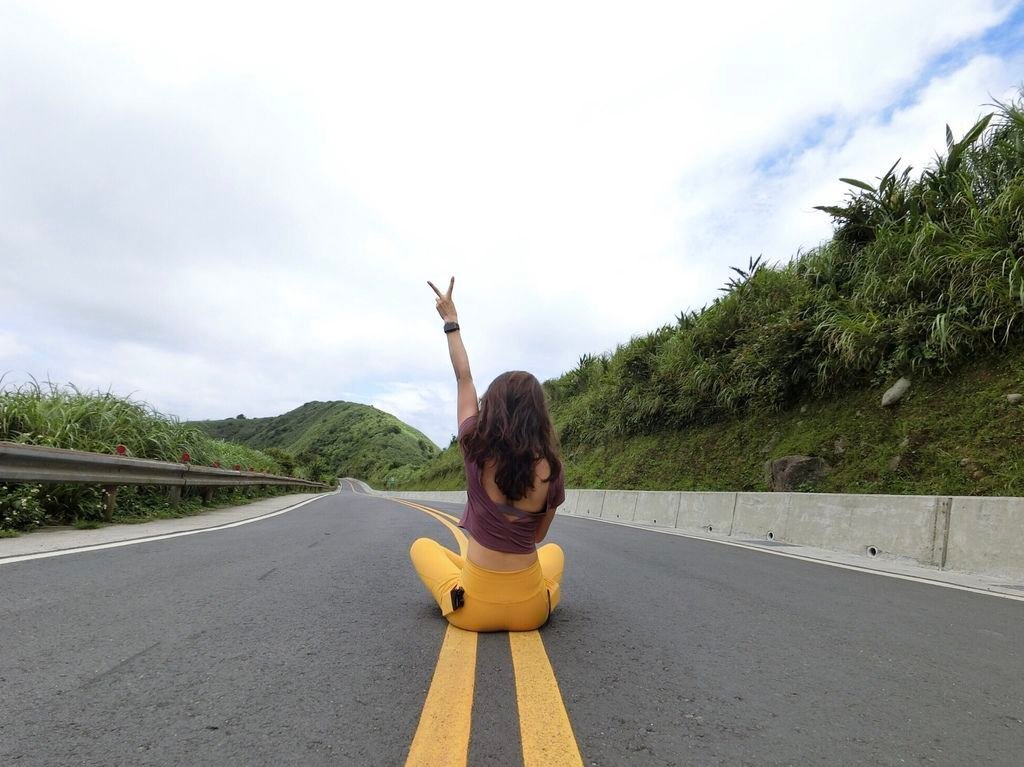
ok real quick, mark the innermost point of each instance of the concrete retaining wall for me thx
(886, 525)
(619, 505)
(987, 535)
(758, 514)
(706, 512)
(589, 503)
(569, 507)
(967, 534)
(657, 508)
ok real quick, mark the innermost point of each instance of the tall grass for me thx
(66, 417)
(921, 273)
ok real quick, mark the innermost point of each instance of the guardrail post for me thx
(174, 495)
(109, 502)
(207, 495)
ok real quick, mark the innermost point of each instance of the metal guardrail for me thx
(32, 463)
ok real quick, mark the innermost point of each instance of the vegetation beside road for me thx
(318, 441)
(924, 278)
(955, 435)
(63, 416)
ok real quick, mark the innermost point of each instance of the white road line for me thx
(151, 538)
(806, 558)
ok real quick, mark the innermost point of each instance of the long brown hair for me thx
(515, 431)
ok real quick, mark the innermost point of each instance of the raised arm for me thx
(467, 401)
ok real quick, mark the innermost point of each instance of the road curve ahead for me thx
(306, 639)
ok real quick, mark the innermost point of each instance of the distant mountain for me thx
(348, 438)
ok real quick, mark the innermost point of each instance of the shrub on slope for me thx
(65, 417)
(920, 274)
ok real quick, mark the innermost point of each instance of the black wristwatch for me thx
(451, 327)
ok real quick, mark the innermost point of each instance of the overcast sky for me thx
(234, 207)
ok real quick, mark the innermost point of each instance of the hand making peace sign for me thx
(445, 305)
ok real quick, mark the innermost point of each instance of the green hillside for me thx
(954, 435)
(923, 278)
(341, 438)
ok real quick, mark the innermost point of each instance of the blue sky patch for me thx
(1003, 40)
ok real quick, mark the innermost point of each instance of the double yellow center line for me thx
(442, 737)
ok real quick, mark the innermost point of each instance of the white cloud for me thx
(773, 212)
(429, 404)
(232, 208)
(10, 347)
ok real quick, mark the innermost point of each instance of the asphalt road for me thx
(306, 639)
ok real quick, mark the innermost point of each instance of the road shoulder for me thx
(63, 538)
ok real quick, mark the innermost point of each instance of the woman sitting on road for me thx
(514, 484)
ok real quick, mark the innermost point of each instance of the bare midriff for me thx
(502, 561)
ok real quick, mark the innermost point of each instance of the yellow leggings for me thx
(494, 601)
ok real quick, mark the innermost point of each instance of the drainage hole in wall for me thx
(872, 551)
(771, 536)
(710, 528)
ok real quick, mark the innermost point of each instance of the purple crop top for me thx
(485, 519)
